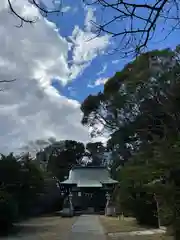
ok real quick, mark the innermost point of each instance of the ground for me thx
(127, 225)
(114, 224)
(87, 227)
(44, 228)
(152, 237)
(84, 227)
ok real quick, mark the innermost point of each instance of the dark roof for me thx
(88, 167)
(89, 176)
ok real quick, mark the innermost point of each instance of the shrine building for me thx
(89, 188)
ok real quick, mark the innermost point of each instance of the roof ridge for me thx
(87, 167)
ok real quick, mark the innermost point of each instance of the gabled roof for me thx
(89, 177)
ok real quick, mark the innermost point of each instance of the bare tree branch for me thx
(134, 24)
(43, 10)
(6, 81)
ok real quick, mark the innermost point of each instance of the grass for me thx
(150, 237)
(114, 225)
(46, 227)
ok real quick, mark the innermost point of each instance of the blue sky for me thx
(79, 88)
(56, 69)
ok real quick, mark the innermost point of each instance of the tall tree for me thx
(96, 152)
(125, 107)
(139, 108)
(63, 156)
(22, 179)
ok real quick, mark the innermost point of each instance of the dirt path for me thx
(44, 228)
(84, 227)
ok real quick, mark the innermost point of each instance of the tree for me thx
(124, 108)
(22, 180)
(10, 173)
(63, 156)
(133, 24)
(8, 211)
(139, 107)
(32, 184)
(96, 151)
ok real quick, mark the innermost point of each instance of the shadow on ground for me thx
(32, 226)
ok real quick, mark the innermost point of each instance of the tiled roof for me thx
(89, 177)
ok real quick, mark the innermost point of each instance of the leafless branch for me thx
(43, 10)
(135, 24)
(7, 81)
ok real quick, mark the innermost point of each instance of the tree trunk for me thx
(176, 222)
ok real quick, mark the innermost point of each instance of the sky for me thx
(56, 67)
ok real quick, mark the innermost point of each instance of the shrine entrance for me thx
(87, 188)
(87, 200)
(90, 198)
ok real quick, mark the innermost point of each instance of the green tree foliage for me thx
(96, 152)
(8, 211)
(32, 184)
(139, 108)
(62, 157)
(22, 180)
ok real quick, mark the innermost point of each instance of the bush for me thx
(145, 210)
(8, 211)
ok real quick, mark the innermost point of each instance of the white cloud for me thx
(72, 91)
(90, 17)
(85, 49)
(86, 46)
(33, 51)
(66, 9)
(39, 115)
(98, 82)
(115, 61)
(103, 70)
(31, 109)
(52, 4)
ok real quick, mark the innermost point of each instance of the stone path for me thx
(87, 227)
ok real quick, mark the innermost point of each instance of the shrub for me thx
(145, 210)
(8, 211)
